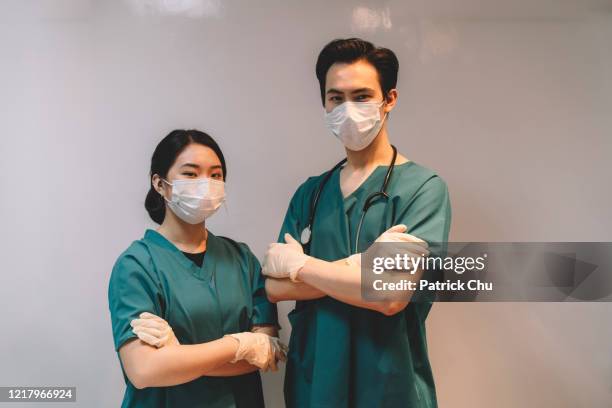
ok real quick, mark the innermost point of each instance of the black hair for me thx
(165, 155)
(354, 49)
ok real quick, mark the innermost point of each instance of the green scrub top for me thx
(344, 356)
(225, 295)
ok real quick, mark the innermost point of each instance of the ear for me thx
(157, 184)
(390, 100)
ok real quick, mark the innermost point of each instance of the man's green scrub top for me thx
(345, 356)
(225, 295)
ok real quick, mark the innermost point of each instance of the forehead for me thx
(358, 74)
(197, 154)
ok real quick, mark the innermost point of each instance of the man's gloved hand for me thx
(284, 260)
(414, 246)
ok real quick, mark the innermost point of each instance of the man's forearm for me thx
(285, 289)
(343, 282)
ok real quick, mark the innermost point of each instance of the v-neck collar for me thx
(344, 204)
(368, 179)
(203, 272)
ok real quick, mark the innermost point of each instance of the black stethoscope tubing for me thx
(307, 231)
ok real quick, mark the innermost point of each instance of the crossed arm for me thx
(339, 280)
(147, 366)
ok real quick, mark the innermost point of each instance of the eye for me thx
(189, 174)
(335, 99)
(362, 98)
(217, 176)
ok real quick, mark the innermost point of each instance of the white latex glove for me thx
(153, 330)
(284, 260)
(280, 353)
(397, 233)
(258, 349)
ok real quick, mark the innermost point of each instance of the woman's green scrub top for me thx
(225, 295)
(345, 356)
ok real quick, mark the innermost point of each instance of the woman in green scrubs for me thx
(208, 288)
(346, 351)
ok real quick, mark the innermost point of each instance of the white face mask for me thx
(194, 200)
(356, 124)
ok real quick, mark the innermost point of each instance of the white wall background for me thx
(511, 102)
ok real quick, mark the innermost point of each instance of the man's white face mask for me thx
(194, 200)
(356, 124)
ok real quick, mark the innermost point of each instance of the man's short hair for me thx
(354, 49)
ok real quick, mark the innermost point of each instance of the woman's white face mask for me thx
(194, 200)
(355, 124)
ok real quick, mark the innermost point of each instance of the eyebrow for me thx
(191, 165)
(215, 167)
(360, 90)
(356, 91)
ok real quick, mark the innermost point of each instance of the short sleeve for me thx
(132, 290)
(428, 215)
(264, 312)
(294, 217)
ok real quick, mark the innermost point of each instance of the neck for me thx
(379, 152)
(185, 236)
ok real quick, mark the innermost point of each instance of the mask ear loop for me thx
(163, 196)
(384, 101)
(382, 121)
(224, 203)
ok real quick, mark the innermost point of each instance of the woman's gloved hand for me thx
(284, 260)
(259, 349)
(280, 353)
(153, 330)
(397, 233)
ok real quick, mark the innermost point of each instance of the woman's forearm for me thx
(147, 366)
(232, 369)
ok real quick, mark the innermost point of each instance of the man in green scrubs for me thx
(345, 351)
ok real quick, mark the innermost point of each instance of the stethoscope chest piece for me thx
(305, 236)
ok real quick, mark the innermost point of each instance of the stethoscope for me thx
(307, 231)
